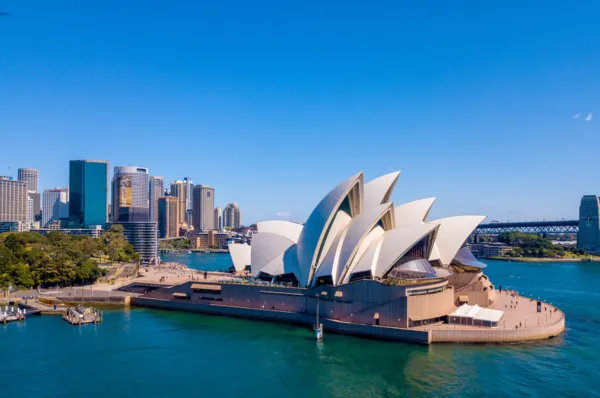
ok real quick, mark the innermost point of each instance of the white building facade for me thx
(55, 206)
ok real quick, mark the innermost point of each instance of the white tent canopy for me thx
(475, 315)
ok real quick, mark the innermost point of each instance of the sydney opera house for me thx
(373, 269)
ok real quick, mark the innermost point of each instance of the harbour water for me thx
(203, 261)
(142, 352)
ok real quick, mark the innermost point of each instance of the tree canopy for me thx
(532, 245)
(29, 259)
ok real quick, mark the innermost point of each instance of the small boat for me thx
(189, 252)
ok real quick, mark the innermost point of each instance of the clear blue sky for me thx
(273, 103)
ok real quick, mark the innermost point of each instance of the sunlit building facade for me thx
(56, 206)
(232, 216)
(204, 208)
(179, 190)
(155, 191)
(129, 190)
(168, 217)
(13, 200)
(88, 193)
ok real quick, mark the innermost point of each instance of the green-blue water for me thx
(207, 262)
(142, 352)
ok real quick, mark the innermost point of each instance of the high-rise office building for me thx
(178, 189)
(13, 200)
(133, 214)
(168, 217)
(204, 208)
(189, 188)
(155, 191)
(129, 189)
(30, 176)
(30, 218)
(144, 239)
(56, 206)
(36, 205)
(232, 216)
(218, 218)
(189, 195)
(88, 192)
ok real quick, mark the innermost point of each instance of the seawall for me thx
(361, 330)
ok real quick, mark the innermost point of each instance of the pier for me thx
(12, 314)
(82, 315)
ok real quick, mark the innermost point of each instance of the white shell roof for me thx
(266, 247)
(358, 229)
(373, 236)
(290, 230)
(396, 243)
(286, 263)
(330, 264)
(379, 190)
(413, 212)
(313, 234)
(339, 223)
(240, 255)
(367, 260)
(451, 235)
(347, 244)
(339, 242)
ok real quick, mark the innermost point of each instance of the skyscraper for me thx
(88, 192)
(13, 200)
(232, 216)
(56, 206)
(155, 191)
(129, 189)
(30, 176)
(218, 218)
(143, 238)
(30, 218)
(204, 207)
(168, 217)
(189, 196)
(178, 189)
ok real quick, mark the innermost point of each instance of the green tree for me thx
(87, 271)
(5, 281)
(7, 259)
(89, 246)
(21, 275)
(15, 245)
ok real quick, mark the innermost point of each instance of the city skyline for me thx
(132, 196)
(281, 215)
(308, 105)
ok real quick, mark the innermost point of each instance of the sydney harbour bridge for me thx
(542, 228)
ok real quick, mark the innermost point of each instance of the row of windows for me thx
(425, 291)
(206, 291)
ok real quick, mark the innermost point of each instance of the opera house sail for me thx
(379, 270)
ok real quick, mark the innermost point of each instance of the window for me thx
(211, 298)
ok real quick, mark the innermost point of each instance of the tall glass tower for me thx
(129, 190)
(88, 193)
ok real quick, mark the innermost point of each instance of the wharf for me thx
(81, 315)
(12, 314)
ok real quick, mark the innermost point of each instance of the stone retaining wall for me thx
(498, 335)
